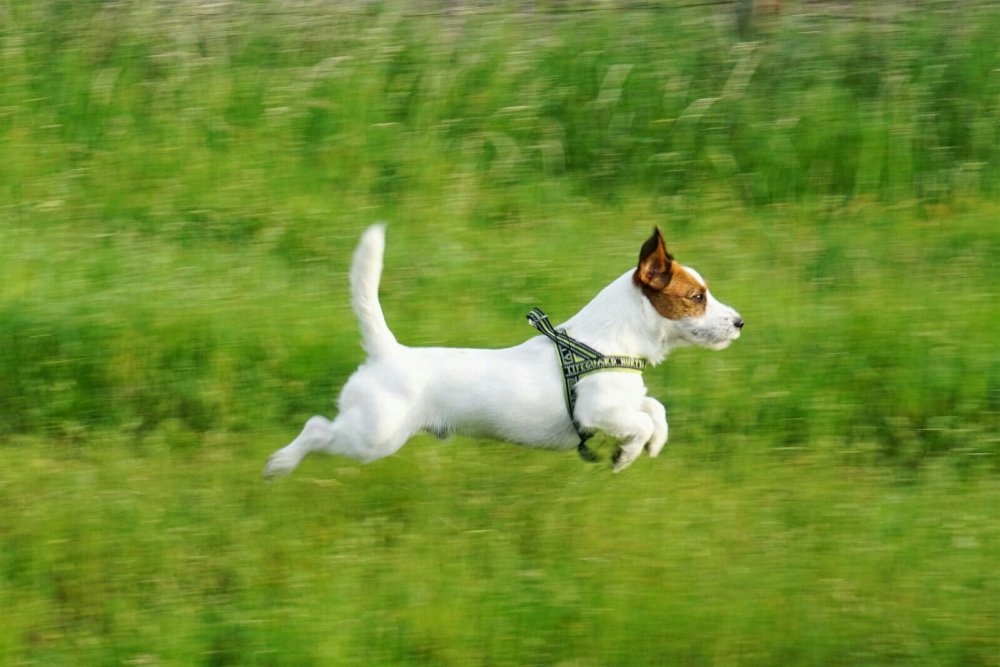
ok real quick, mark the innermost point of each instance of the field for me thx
(182, 185)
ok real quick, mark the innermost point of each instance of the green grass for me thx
(472, 553)
(180, 192)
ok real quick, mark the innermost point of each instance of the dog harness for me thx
(577, 360)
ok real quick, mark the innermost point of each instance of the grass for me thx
(473, 553)
(181, 189)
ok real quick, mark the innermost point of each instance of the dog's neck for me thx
(621, 321)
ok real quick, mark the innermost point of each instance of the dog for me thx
(520, 394)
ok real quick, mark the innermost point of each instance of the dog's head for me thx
(681, 296)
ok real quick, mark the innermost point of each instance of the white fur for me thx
(512, 394)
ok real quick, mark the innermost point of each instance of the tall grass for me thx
(181, 188)
(664, 98)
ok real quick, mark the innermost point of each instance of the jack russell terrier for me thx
(550, 392)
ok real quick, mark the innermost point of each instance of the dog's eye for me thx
(698, 298)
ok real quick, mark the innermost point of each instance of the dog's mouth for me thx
(719, 345)
(713, 339)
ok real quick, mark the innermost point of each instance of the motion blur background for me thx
(182, 184)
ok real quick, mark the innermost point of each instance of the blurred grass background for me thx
(182, 184)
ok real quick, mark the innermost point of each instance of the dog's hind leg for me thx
(359, 434)
(369, 432)
(316, 434)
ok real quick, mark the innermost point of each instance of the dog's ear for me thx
(654, 262)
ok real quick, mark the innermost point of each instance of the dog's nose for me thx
(738, 323)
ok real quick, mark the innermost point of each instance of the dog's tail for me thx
(366, 269)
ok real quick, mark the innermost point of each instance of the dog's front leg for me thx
(632, 428)
(658, 414)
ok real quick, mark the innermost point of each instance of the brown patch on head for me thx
(672, 290)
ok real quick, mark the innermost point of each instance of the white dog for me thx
(545, 393)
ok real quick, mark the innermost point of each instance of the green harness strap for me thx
(577, 360)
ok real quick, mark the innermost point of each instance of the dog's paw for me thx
(656, 443)
(658, 414)
(622, 459)
(278, 465)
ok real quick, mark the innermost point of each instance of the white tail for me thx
(366, 269)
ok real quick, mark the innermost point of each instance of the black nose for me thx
(738, 323)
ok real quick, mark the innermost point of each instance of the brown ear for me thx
(654, 262)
